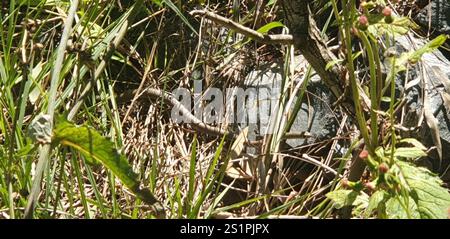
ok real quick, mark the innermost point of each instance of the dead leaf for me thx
(238, 144)
(443, 78)
(237, 171)
(446, 98)
(432, 123)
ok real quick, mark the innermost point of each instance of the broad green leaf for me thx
(401, 208)
(374, 202)
(414, 142)
(432, 199)
(400, 26)
(409, 153)
(269, 26)
(342, 197)
(429, 47)
(360, 204)
(95, 147)
(413, 57)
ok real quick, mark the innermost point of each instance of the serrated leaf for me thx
(409, 152)
(95, 147)
(374, 202)
(414, 142)
(429, 47)
(400, 26)
(342, 197)
(360, 204)
(414, 56)
(401, 208)
(432, 199)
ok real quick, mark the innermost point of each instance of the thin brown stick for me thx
(257, 36)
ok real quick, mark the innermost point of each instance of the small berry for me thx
(387, 11)
(383, 168)
(363, 22)
(364, 154)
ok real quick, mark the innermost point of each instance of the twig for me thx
(269, 39)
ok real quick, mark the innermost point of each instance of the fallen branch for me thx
(257, 36)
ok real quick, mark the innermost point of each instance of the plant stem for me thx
(351, 72)
(45, 150)
(373, 90)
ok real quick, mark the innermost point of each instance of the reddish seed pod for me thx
(383, 168)
(387, 11)
(363, 22)
(364, 154)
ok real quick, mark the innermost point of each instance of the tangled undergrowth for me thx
(86, 128)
